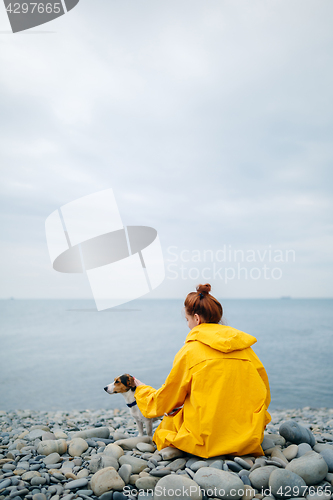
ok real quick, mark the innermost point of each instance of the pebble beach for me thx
(89, 454)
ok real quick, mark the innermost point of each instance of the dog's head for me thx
(121, 384)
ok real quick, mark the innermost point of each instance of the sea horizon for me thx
(56, 356)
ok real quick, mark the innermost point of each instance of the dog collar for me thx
(132, 404)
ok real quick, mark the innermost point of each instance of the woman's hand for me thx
(137, 382)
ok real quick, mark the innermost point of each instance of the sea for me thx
(60, 354)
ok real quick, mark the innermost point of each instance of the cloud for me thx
(210, 120)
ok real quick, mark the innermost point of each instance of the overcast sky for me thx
(211, 120)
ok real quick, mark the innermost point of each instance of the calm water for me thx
(59, 354)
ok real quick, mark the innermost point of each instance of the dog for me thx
(125, 385)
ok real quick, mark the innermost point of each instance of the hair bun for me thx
(205, 289)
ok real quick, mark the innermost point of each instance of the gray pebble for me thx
(191, 461)
(189, 472)
(217, 464)
(160, 472)
(35, 466)
(8, 467)
(233, 465)
(24, 491)
(243, 472)
(35, 481)
(76, 483)
(106, 496)
(177, 464)
(327, 454)
(125, 472)
(242, 463)
(302, 449)
(246, 480)
(197, 465)
(295, 433)
(119, 496)
(5, 483)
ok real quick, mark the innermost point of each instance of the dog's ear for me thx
(128, 381)
(131, 382)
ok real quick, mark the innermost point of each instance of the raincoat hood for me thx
(221, 337)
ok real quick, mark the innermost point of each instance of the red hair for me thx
(203, 304)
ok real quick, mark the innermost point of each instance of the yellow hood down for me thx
(224, 392)
(220, 337)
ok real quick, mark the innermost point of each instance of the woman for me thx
(218, 381)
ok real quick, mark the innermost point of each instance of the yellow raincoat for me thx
(225, 392)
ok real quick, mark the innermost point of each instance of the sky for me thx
(211, 121)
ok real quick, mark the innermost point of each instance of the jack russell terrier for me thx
(125, 385)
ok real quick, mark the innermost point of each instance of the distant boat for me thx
(285, 297)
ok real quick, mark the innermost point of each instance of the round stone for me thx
(53, 458)
(35, 434)
(82, 473)
(145, 447)
(38, 496)
(169, 453)
(277, 439)
(219, 483)
(146, 483)
(164, 471)
(130, 443)
(77, 483)
(286, 484)
(246, 480)
(235, 467)
(98, 432)
(217, 464)
(319, 495)
(242, 463)
(105, 480)
(177, 487)
(48, 435)
(311, 467)
(137, 464)
(290, 452)
(113, 450)
(248, 493)
(259, 477)
(77, 446)
(101, 461)
(277, 454)
(37, 481)
(60, 435)
(177, 464)
(29, 475)
(6, 467)
(296, 433)
(5, 483)
(51, 446)
(302, 449)
(267, 443)
(115, 496)
(327, 454)
(125, 472)
(197, 465)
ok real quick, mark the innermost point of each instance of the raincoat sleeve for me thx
(155, 403)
